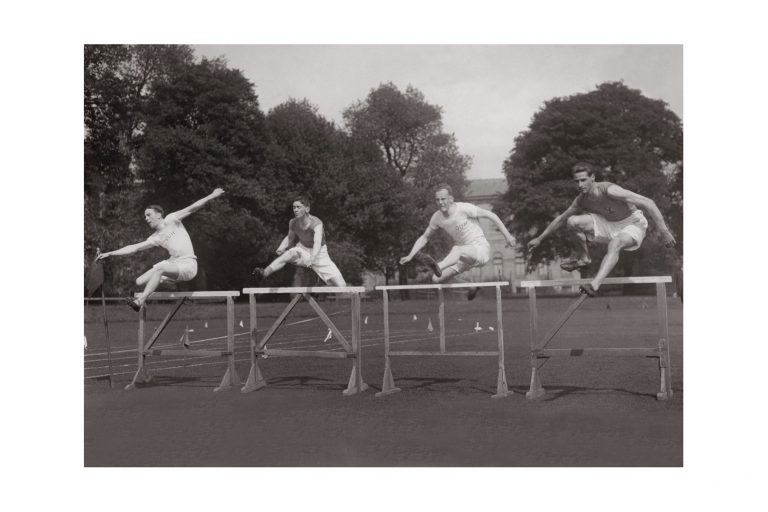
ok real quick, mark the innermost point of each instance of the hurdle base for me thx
(229, 380)
(255, 380)
(665, 393)
(352, 390)
(356, 384)
(535, 394)
(141, 377)
(388, 383)
(390, 391)
(502, 390)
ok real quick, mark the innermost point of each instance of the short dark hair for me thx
(157, 208)
(444, 186)
(303, 200)
(583, 167)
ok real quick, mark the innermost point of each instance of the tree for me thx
(118, 81)
(400, 123)
(635, 141)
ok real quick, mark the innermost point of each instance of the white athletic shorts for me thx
(323, 266)
(187, 269)
(474, 255)
(635, 226)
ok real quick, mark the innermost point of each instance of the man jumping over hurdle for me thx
(304, 246)
(462, 222)
(171, 235)
(604, 213)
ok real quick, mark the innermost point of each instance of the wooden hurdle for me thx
(539, 351)
(145, 349)
(352, 350)
(388, 386)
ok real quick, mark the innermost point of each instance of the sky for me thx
(488, 93)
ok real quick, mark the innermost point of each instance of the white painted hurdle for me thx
(539, 352)
(145, 349)
(352, 350)
(388, 386)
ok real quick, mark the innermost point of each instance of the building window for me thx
(520, 267)
(498, 265)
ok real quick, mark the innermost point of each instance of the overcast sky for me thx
(488, 92)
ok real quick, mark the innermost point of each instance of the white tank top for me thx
(173, 237)
(462, 224)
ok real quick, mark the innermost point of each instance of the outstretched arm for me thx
(128, 249)
(287, 242)
(648, 206)
(554, 225)
(185, 212)
(481, 213)
(418, 245)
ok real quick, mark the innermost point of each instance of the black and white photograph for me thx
(392, 252)
(420, 256)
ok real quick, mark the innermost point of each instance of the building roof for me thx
(486, 188)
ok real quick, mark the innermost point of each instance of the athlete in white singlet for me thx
(304, 246)
(607, 214)
(171, 235)
(462, 222)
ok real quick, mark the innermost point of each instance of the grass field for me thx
(598, 411)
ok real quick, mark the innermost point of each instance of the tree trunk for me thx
(402, 275)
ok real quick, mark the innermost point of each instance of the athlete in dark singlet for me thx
(608, 214)
(304, 246)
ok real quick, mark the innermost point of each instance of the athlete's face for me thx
(584, 181)
(299, 210)
(152, 217)
(444, 200)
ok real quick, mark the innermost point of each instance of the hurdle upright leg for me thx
(356, 384)
(502, 389)
(441, 315)
(230, 376)
(255, 380)
(665, 392)
(536, 390)
(388, 386)
(141, 376)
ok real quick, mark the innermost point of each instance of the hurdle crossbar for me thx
(445, 286)
(191, 295)
(388, 386)
(230, 377)
(539, 352)
(603, 351)
(305, 289)
(352, 348)
(608, 280)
